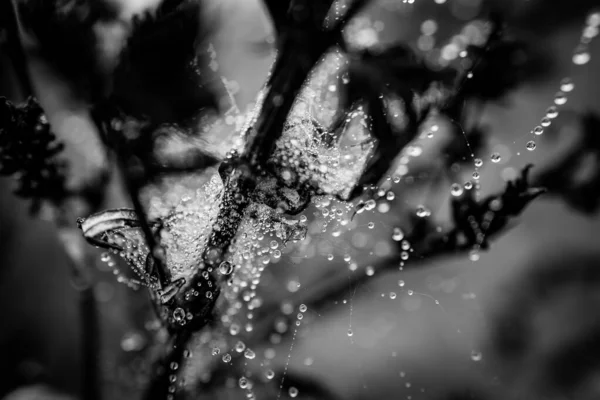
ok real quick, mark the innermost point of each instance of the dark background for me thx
(529, 305)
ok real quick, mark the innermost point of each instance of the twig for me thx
(167, 366)
(90, 327)
(87, 305)
(9, 11)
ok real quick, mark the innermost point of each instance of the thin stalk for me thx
(90, 327)
(18, 56)
(290, 72)
(89, 318)
(168, 366)
(88, 309)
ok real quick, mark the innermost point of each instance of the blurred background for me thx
(519, 323)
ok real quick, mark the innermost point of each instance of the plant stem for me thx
(90, 328)
(160, 382)
(8, 10)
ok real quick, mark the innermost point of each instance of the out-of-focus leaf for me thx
(160, 75)
(29, 150)
(66, 38)
(576, 177)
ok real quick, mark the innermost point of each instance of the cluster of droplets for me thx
(173, 377)
(292, 391)
(307, 153)
(581, 56)
(332, 214)
(132, 248)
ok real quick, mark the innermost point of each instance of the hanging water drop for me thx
(179, 314)
(423, 212)
(243, 382)
(581, 56)
(225, 268)
(456, 190)
(560, 99)
(552, 112)
(567, 85)
(476, 355)
(397, 235)
(545, 122)
(249, 354)
(496, 158)
(530, 145)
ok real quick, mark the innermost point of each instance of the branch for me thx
(160, 383)
(474, 223)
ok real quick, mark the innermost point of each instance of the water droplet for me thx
(392, 295)
(422, 211)
(371, 225)
(552, 112)
(240, 346)
(216, 351)
(478, 162)
(560, 98)
(476, 355)
(249, 354)
(476, 175)
(538, 130)
(133, 341)
(243, 382)
(474, 255)
(225, 268)
(303, 308)
(270, 374)
(398, 235)
(293, 391)
(496, 158)
(179, 314)
(456, 190)
(530, 145)
(401, 283)
(468, 185)
(546, 122)
(350, 333)
(581, 56)
(567, 85)
(370, 271)
(370, 204)
(226, 358)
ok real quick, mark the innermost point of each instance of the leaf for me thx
(576, 176)
(97, 226)
(65, 28)
(160, 75)
(29, 150)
